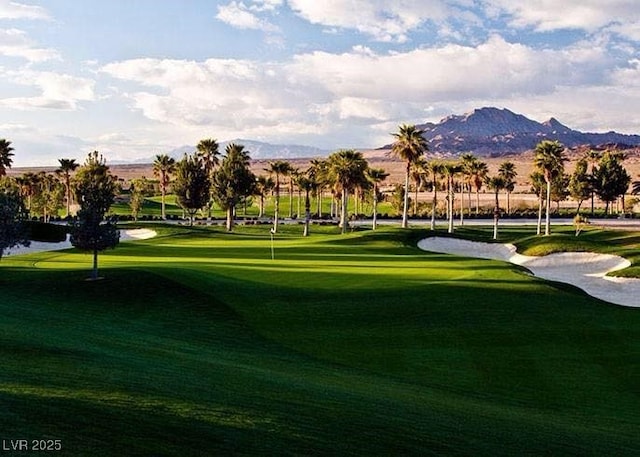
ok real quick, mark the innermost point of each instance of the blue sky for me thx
(135, 78)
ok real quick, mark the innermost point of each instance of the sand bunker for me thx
(37, 246)
(585, 270)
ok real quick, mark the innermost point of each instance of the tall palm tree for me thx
(434, 167)
(5, 156)
(496, 184)
(549, 160)
(163, 167)
(376, 176)
(278, 168)
(467, 161)
(347, 168)
(208, 151)
(28, 183)
(306, 183)
(67, 166)
(409, 146)
(507, 170)
(478, 171)
(318, 173)
(449, 171)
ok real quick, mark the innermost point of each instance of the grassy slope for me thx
(197, 343)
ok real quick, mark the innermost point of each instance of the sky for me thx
(136, 78)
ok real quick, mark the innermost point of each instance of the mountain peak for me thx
(495, 131)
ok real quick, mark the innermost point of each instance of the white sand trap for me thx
(585, 270)
(38, 246)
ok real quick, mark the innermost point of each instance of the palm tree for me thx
(28, 183)
(67, 166)
(450, 170)
(5, 156)
(208, 151)
(278, 168)
(478, 171)
(347, 169)
(376, 176)
(318, 173)
(507, 170)
(496, 183)
(549, 160)
(163, 167)
(307, 184)
(467, 162)
(409, 146)
(434, 168)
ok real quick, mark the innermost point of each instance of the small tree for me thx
(163, 167)
(496, 184)
(580, 188)
(139, 189)
(95, 189)
(13, 214)
(191, 185)
(610, 179)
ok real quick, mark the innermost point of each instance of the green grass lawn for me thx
(197, 343)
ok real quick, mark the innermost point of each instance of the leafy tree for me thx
(278, 168)
(192, 185)
(347, 169)
(610, 179)
(163, 167)
(48, 195)
(580, 188)
(233, 181)
(264, 185)
(409, 146)
(28, 183)
(507, 170)
(549, 160)
(13, 215)
(95, 189)
(67, 166)
(376, 176)
(5, 156)
(138, 189)
(496, 184)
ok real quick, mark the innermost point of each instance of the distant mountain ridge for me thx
(494, 132)
(261, 150)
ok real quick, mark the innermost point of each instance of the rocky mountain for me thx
(496, 132)
(261, 150)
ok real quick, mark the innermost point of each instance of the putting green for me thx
(197, 343)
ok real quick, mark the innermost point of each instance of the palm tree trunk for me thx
(307, 213)
(276, 211)
(163, 191)
(290, 197)
(434, 203)
(539, 226)
(405, 210)
(496, 217)
(547, 222)
(462, 206)
(343, 211)
(261, 211)
(477, 202)
(375, 207)
(450, 204)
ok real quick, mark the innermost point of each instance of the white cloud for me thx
(57, 91)
(15, 43)
(15, 10)
(323, 93)
(383, 20)
(239, 15)
(548, 15)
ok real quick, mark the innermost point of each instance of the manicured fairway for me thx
(197, 343)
